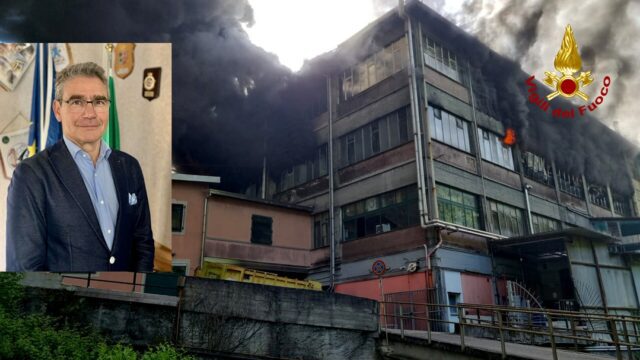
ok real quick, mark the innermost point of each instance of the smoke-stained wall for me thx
(579, 145)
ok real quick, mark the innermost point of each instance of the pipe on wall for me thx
(332, 232)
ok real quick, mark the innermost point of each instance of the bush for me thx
(166, 352)
(11, 292)
(44, 337)
(34, 337)
(116, 352)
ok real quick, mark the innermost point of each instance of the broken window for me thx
(536, 168)
(570, 184)
(598, 196)
(621, 205)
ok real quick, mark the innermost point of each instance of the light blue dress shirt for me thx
(99, 182)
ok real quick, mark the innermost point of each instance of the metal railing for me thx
(555, 328)
(135, 285)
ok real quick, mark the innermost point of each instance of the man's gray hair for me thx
(88, 69)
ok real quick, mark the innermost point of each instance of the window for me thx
(484, 94)
(494, 150)
(449, 129)
(374, 69)
(621, 205)
(321, 230)
(544, 224)
(441, 59)
(598, 196)
(377, 136)
(570, 184)
(178, 217)
(536, 168)
(390, 211)
(261, 229)
(454, 299)
(307, 171)
(458, 207)
(179, 269)
(505, 219)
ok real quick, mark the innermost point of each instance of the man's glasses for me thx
(79, 105)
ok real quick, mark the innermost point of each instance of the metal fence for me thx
(534, 326)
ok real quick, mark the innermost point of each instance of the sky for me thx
(529, 32)
(296, 30)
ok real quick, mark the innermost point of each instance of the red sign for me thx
(378, 267)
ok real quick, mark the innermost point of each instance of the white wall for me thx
(145, 130)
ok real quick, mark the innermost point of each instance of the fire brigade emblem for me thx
(568, 62)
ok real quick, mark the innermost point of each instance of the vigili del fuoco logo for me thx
(564, 83)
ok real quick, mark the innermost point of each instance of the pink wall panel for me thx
(476, 289)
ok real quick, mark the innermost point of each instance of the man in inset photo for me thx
(79, 205)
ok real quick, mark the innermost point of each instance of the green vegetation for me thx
(31, 336)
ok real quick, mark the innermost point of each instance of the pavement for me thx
(493, 346)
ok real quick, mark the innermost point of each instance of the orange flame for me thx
(509, 137)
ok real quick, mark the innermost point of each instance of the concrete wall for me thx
(145, 131)
(222, 316)
(278, 322)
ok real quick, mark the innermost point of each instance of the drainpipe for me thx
(204, 229)
(417, 128)
(527, 187)
(429, 254)
(332, 244)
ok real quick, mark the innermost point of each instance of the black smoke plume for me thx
(231, 99)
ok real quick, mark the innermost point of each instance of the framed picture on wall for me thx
(13, 148)
(15, 59)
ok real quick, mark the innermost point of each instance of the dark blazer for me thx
(52, 225)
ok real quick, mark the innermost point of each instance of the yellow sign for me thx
(568, 62)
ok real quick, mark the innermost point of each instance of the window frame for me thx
(259, 221)
(492, 144)
(184, 217)
(446, 128)
(360, 215)
(505, 219)
(363, 137)
(448, 205)
(373, 69)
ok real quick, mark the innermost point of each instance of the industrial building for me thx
(409, 117)
(410, 167)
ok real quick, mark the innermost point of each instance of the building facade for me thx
(221, 227)
(411, 167)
